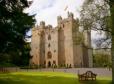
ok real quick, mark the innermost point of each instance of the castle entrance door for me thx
(49, 64)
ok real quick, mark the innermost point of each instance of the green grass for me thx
(47, 78)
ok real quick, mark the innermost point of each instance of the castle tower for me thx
(65, 41)
(70, 15)
(68, 50)
(87, 42)
(90, 49)
(42, 24)
(35, 49)
(59, 20)
(61, 40)
(51, 47)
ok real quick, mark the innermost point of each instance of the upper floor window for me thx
(49, 55)
(49, 45)
(63, 25)
(54, 50)
(49, 37)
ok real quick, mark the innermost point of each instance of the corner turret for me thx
(42, 24)
(49, 26)
(70, 15)
(59, 19)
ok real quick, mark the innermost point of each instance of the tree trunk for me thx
(112, 33)
(112, 53)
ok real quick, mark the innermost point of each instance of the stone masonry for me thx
(63, 45)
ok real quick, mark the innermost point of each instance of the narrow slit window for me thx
(49, 37)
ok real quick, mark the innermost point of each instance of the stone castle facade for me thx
(62, 45)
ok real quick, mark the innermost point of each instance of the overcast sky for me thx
(48, 10)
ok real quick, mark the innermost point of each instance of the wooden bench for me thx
(89, 75)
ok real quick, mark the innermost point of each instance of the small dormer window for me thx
(49, 37)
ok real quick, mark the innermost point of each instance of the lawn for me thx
(47, 78)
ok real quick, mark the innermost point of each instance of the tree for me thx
(111, 3)
(102, 57)
(106, 22)
(13, 27)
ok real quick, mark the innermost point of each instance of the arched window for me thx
(49, 45)
(49, 55)
(54, 62)
(54, 50)
(63, 25)
(49, 37)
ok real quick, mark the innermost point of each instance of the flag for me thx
(66, 8)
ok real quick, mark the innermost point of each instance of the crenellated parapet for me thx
(67, 21)
(70, 15)
(42, 24)
(49, 26)
(59, 19)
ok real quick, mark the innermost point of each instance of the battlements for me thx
(42, 24)
(60, 20)
(70, 17)
(49, 26)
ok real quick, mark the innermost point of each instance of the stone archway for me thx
(49, 55)
(49, 64)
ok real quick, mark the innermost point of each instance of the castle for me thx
(63, 45)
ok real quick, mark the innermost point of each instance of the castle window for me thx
(54, 62)
(44, 62)
(49, 45)
(49, 55)
(41, 35)
(63, 25)
(54, 50)
(43, 51)
(49, 37)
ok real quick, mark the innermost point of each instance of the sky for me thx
(48, 10)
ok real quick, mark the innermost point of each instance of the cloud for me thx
(48, 10)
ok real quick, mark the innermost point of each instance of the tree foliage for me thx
(95, 15)
(101, 60)
(13, 27)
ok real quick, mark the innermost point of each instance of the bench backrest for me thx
(89, 74)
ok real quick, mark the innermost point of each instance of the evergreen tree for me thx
(13, 27)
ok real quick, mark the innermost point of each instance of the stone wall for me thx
(60, 46)
(51, 43)
(35, 49)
